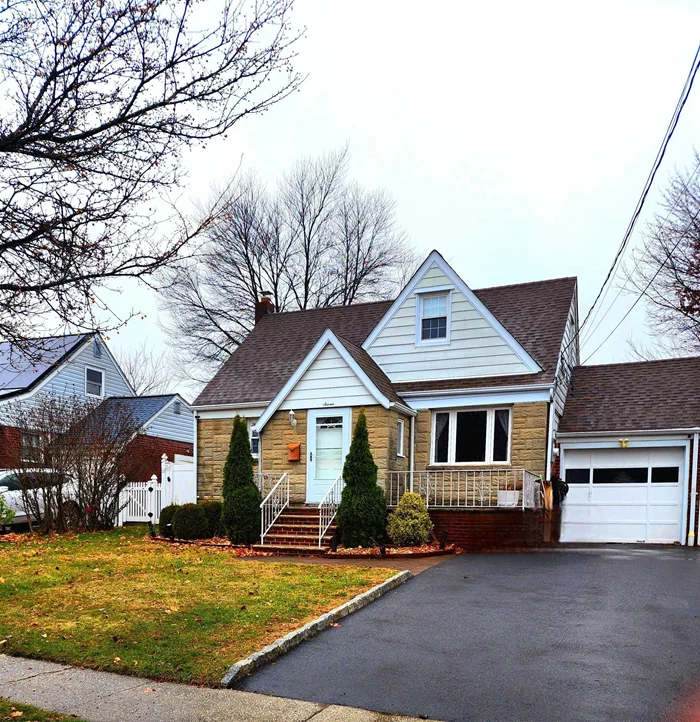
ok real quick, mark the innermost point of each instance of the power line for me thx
(624, 286)
(647, 187)
(646, 288)
(690, 79)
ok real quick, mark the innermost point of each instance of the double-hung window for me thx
(434, 317)
(471, 436)
(31, 448)
(254, 438)
(94, 382)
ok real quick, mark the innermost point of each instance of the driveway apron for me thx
(599, 634)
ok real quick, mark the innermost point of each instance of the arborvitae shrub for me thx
(362, 510)
(166, 517)
(409, 524)
(241, 506)
(190, 522)
(212, 510)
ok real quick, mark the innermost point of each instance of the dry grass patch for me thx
(121, 603)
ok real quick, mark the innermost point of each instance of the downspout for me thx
(413, 452)
(195, 419)
(693, 491)
(550, 435)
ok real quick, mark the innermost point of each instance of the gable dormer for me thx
(438, 329)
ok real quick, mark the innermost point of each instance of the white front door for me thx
(623, 495)
(328, 436)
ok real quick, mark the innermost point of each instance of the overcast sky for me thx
(516, 137)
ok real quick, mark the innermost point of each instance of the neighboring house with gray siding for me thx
(81, 366)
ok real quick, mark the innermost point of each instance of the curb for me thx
(284, 644)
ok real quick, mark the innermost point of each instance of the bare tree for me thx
(316, 240)
(99, 100)
(73, 457)
(147, 369)
(666, 270)
(41, 456)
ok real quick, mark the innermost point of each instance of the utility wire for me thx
(646, 288)
(624, 286)
(645, 192)
(647, 187)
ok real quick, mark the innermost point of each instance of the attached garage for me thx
(628, 449)
(628, 494)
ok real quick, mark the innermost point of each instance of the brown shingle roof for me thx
(261, 365)
(534, 313)
(648, 395)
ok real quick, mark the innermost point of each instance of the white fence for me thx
(143, 500)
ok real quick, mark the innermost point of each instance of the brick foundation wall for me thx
(479, 529)
(148, 450)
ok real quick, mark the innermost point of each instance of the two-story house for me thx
(463, 392)
(82, 366)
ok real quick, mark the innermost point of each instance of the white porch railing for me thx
(468, 488)
(273, 505)
(328, 507)
(265, 480)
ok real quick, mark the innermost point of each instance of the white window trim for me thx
(102, 385)
(24, 447)
(490, 422)
(400, 433)
(252, 424)
(420, 295)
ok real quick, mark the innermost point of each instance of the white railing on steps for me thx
(328, 507)
(273, 505)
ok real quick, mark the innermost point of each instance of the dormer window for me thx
(434, 318)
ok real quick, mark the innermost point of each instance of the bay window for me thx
(471, 436)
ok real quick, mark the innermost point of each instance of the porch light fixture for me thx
(623, 443)
(292, 418)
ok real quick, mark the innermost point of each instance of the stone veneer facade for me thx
(213, 438)
(528, 445)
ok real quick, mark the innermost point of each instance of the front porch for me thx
(286, 523)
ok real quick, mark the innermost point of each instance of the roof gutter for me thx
(403, 409)
(223, 407)
(567, 435)
(474, 391)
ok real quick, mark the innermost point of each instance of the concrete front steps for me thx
(296, 532)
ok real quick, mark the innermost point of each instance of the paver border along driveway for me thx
(597, 634)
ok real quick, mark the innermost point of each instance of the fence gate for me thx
(142, 501)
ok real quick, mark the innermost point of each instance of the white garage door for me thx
(623, 495)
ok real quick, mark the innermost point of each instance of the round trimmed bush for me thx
(190, 522)
(212, 510)
(409, 524)
(166, 517)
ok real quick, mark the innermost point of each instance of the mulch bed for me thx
(217, 542)
(424, 550)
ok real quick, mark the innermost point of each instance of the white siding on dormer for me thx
(169, 425)
(329, 381)
(475, 348)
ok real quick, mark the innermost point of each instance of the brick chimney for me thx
(264, 306)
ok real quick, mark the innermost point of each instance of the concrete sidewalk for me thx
(106, 697)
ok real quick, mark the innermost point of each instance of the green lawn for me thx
(10, 712)
(116, 601)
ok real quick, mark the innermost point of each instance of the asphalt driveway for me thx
(609, 634)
